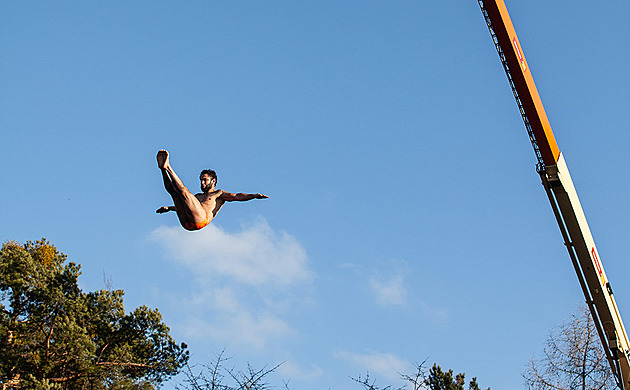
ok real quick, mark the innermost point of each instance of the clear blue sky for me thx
(406, 220)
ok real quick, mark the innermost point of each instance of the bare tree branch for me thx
(573, 359)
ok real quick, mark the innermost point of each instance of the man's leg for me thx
(174, 180)
(186, 204)
(168, 184)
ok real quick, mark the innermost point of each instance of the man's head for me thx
(208, 179)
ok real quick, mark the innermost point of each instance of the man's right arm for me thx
(165, 209)
(240, 197)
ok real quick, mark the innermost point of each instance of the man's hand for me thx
(163, 209)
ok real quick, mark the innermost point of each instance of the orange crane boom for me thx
(561, 192)
(521, 80)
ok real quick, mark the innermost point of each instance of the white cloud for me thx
(386, 365)
(391, 291)
(245, 282)
(387, 284)
(256, 255)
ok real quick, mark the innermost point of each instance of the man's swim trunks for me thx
(196, 225)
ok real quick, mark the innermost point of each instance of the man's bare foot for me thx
(162, 159)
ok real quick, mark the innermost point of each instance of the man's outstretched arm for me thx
(240, 197)
(165, 209)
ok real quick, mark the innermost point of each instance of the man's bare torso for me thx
(211, 201)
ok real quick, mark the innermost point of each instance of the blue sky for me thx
(405, 221)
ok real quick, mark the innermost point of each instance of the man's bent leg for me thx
(194, 216)
(188, 208)
(162, 160)
(165, 166)
(168, 184)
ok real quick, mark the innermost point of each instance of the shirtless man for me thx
(196, 211)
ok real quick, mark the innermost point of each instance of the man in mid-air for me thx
(196, 211)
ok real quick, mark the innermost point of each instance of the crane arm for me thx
(521, 79)
(561, 193)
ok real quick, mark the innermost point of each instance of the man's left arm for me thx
(240, 197)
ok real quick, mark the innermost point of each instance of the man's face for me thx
(206, 182)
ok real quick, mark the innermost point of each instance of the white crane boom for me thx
(561, 192)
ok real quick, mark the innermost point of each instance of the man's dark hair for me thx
(209, 172)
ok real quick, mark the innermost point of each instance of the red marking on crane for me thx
(596, 261)
(519, 53)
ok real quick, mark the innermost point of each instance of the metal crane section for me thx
(589, 269)
(561, 193)
(521, 80)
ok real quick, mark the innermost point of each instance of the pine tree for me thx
(55, 336)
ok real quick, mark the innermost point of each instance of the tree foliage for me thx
(573, 358)
(434, 379)
(215, 376)
(55, 336)
(441, 380)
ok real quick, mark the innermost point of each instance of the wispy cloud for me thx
(386, 365)
(242, 280)
(389, 290)
(386, 283)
